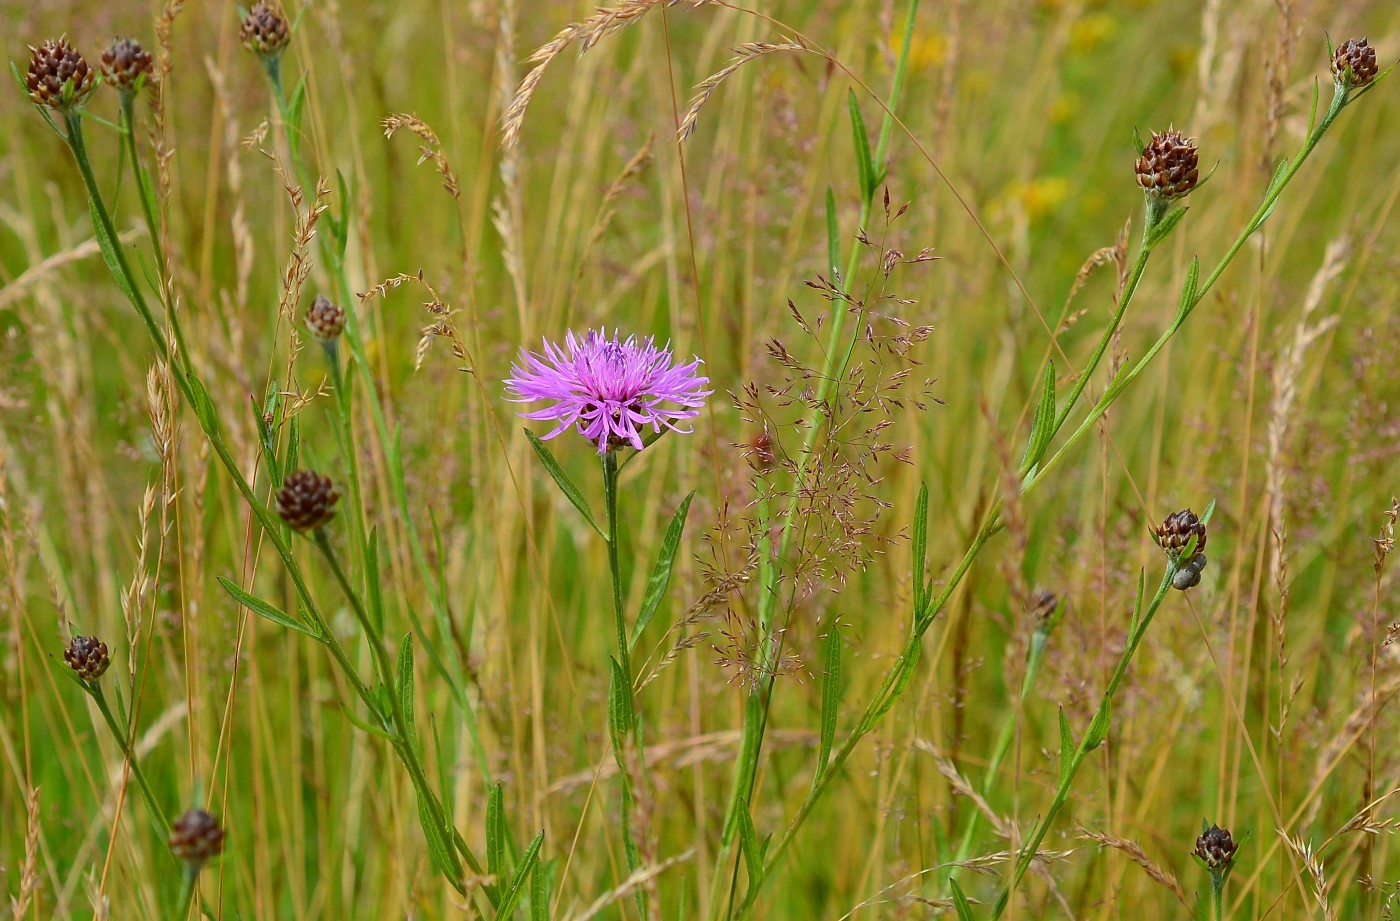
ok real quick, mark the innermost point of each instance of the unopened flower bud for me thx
(325, 319)
(1168, 168)
(58, 76)
(126, 65)
(307, 500)
(87, 656)
(265, 31)
(1215, 849)
(1354, 64)
(196, 838)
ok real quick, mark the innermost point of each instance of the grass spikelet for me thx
(744, 54)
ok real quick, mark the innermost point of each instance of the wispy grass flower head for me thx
(609, 389)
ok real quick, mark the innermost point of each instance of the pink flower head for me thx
(610, 389)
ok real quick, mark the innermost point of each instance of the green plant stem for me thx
(1141, 621)
(1217, 896)
(610, 476)
(1034, 657)
(208, 420)
(120, 734)
(335, 263)
(833, 368)
(187, 885)
(404, 742)
(143, 182)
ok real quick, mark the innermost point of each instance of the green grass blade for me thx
(831, 699)
(511, 896)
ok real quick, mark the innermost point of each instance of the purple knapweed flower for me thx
(610, 389)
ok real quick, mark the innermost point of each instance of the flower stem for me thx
(1217, 896)
(1087, 743)
(120, 734)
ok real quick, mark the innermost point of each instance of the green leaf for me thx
(365, 725)
(833, 237)
(341, 226)
(923, 592)
(496, 831)
(908, 662)
(294, 107)
(265, 610)
(444, 858)
(265, 419)
(619, 701)
(375, 595)
(541, 890)
(109, 253)
(864, 161)
(661, 574)
(1098, 727)
(512, 893)
(1188, 290)
(831, 699)
(405, 683)
(964, 908)
(1138, 143)
(566, 486)
(201, 404)
(1208, 513)
(1042, 423)
(1067, 746)
(748, 843)
(1166, 226)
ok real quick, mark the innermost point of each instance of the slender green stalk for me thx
(120, 733)
(615, 570)
(1092, 738)
(1217, 896)
(187, 885)
(1034, 657)
(833, 369)
(208, 419)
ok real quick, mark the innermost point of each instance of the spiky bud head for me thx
(325, 319)
(58, 76)
(196, 838)
(1354, 64)
(1168, 168)
(87, 656)
(265, 31)
(126, 65)
(307, 500)
(1044, 605)
(1215, 849)
(1176, 532)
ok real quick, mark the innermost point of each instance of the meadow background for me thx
(1262, 700)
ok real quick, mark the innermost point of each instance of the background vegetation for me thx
(1262, 700)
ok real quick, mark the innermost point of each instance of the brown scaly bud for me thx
(1215, 849)
(307, 500)
(1354, 64)
(759, 452)
(265, 32)
(126, 65)
(196, 838)
(325, 319)
(1174, 533)
(1044, 605)
(1168, 168)
(87, 656)
(58, 77)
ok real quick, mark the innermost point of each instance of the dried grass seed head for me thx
(59, 78)
(87, 656)
(1169, 167)
(126, 65)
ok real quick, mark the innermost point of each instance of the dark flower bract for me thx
(610, 389)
